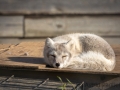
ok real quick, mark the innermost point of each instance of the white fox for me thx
(79, 51)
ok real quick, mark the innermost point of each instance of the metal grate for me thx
(15, 83)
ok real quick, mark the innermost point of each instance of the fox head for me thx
(58, 54)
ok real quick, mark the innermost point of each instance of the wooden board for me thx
(11, 26)
(26, 60)
(52, 26)
(59, 7)
(15, 83)
(110, 40)
(18, 40)
(29, 55)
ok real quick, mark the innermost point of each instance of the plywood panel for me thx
(11, 26)
(59, 6)
(52, 26)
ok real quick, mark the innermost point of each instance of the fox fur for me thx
(79, 51)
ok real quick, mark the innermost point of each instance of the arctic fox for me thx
(79, 51)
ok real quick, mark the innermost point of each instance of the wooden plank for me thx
(52, 26)
(11, 26)
(13, 83)
(18, 40)
(110, 40)
(59, 7)
(90, 80)
(27, 67)
(108, 85)
(29, 55)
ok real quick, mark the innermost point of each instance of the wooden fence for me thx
(47, 18)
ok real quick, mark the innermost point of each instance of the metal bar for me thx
(41, 83)
(7, 79)
(80, 86)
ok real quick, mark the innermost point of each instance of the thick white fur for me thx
(90, 61)
(80, 59)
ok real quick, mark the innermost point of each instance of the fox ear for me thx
(70, 44)
(49, 42)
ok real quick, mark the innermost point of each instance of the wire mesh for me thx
(17, 83)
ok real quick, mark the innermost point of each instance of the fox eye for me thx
(64, 56)
(53, 56)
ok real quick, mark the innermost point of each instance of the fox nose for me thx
(57, 64)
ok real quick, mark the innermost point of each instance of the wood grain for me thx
(29, 55)
(53, 26)
(110, 40)
(59, 7)
(11, 26)
(13, 61)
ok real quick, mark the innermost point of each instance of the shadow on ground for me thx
(32, 60)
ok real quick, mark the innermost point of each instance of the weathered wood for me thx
(110, 40)
(13, 83)
(11, 26)
(18, 40)
(29, 55)
(52, 26)
(107, 85)
(108, 82)
(59, 7)
(12, 63)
